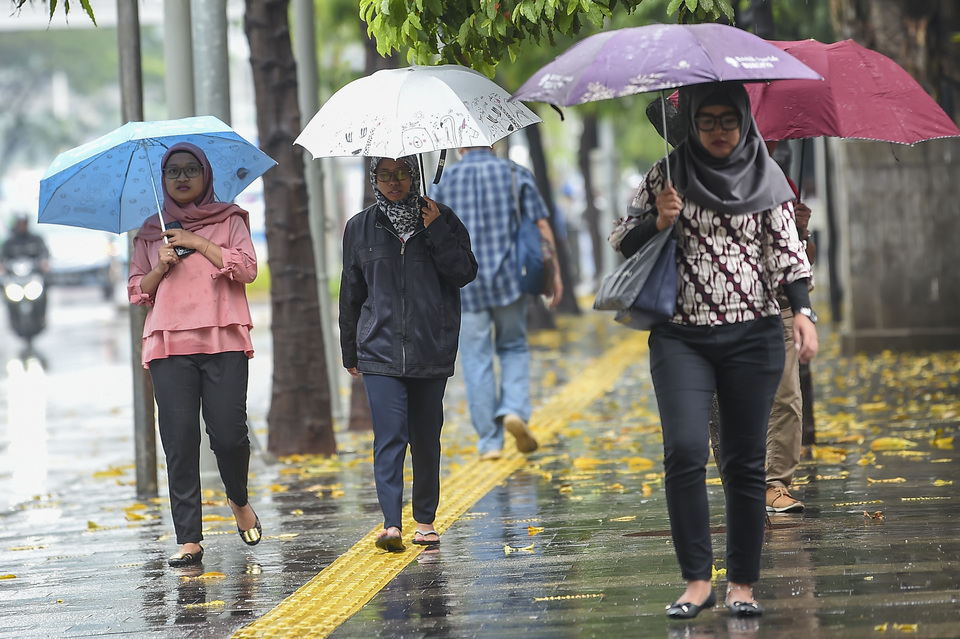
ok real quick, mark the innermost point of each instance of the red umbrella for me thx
(864, 95)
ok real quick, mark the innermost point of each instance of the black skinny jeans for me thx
(743, 363)
(182, 385)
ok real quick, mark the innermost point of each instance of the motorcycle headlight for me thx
(33, 290)
(14, 292)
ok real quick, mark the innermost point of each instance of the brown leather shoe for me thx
(779, 500)
(526, 442)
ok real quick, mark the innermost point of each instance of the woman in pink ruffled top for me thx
(196, 339)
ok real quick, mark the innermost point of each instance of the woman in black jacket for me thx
(404, 261)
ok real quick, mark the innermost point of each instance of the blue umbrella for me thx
(113, 183)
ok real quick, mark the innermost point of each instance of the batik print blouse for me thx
(729, 266)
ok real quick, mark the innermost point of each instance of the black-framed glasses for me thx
(708, 122)
(174, 172)
(389, 176)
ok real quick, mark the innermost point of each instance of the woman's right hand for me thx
(353, 371)
(669, 205)
(168, 257)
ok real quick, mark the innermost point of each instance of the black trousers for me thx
(743, 364)
(406, 410)
(216, 384)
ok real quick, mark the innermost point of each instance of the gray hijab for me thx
(746, 181)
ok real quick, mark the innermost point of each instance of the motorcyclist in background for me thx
(20, 245)
(23, 243)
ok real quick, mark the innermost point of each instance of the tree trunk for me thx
(299, 418)
(541, 316)
(360, 419)
(588, 142)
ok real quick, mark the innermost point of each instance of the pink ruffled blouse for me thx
(198, 308)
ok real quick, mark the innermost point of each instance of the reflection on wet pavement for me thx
(575, 544)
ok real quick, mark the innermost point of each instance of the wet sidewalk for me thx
(572, 541)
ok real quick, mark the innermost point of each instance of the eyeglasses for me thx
(174, 172)
(707, 122)
(389, 176)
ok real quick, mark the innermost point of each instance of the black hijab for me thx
(746, 181)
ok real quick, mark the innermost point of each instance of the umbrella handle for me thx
(153, 181)
(803, 147)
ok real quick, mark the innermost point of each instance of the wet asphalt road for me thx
(575, 544)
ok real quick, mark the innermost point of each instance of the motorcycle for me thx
(26, 293)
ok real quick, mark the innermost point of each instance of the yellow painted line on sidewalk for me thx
(341, 589)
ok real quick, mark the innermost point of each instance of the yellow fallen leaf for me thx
(906, 627)
(943, 443)
(278, 488)
(943, 482)
(209, 604)
(92, 525)
(549, 379)
(892, 443)
(881, 628)
(566, 488)
(297, 512)
(587, 463)
(507, 549)
(138, 517)
(617, 488)
(286, 535)
(714, 573)
(892, 480)
(8, 576)
(637, 464)
(216, 518)
(336, 494)
(534, 530)
(646, 490)
(714, 481)
(207, 576)
(107, 474)
(627, 518)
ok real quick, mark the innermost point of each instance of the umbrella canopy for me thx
(399, 112)
(864, 95)
(113, 183)
(634, 60)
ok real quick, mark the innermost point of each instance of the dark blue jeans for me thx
(406, 410)
(743, 364)
(183, 384)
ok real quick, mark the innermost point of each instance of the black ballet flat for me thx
(252, 536)
(687, 610)
(745, 609)
(182, 559)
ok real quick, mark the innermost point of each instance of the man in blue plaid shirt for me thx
(480, 189)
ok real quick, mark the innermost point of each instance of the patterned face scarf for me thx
(405, 214)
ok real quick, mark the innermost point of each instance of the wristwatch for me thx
(806, 310)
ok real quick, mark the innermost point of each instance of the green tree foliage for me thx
(84, 5)
(481, 33)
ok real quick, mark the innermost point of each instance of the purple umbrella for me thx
(622, 62)
(656, 57)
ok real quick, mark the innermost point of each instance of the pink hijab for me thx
(203, 211)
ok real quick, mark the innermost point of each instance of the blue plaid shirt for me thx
(479, 190)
